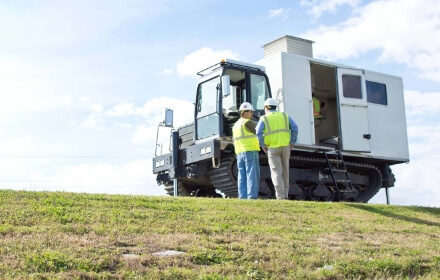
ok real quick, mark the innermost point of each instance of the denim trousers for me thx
(248, 165)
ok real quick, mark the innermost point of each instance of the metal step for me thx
(342, 181)
(347, 190)
(336, 170)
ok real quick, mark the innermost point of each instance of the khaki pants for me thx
(317, 126)
(279, 170)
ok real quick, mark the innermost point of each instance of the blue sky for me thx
(84, 84)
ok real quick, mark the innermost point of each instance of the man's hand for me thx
(264, 149)
(291, 146)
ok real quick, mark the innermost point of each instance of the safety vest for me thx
(244, 141)
(276, 129)
(316, 108)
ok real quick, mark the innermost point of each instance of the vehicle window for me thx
(351, 86)
(232, 102)
(377, 93)
(259, 91)
(207, 98)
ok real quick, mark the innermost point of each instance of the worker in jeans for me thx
(247, 148)
(277, 133)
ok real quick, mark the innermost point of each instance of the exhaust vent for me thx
(289, 44)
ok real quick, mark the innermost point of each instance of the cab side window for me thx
(259, 91)
(207, 98)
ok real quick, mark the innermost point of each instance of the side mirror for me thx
(168, 118)
(226, 85)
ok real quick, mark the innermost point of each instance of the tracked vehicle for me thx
(345, 155)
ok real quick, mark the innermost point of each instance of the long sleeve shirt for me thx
(292, 126)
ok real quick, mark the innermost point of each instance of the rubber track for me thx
(375, 177)
(223, 179)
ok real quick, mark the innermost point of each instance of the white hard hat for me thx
(246, 106)
(271, 102)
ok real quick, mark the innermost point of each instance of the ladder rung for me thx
(342, 181)
(340, 170)
(337, 170)
(335, 160)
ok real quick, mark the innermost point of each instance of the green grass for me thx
(81, 236)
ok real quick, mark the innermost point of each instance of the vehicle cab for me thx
(221, 90)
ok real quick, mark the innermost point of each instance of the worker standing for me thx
(247, 148)
(317, 115)
(277, 133)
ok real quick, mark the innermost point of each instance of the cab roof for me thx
(230, 62)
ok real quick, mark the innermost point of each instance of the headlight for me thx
(205, 150)
(160, 163)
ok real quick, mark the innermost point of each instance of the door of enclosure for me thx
(353, 113)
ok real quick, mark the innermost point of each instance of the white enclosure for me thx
(364, 111)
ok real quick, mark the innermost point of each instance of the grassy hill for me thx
(62, 235)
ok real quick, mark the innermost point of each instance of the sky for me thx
(83, 84)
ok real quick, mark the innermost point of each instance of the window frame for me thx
(368, 95)
(267, 89)
(216, 112)
(360, 87)
(198, 97)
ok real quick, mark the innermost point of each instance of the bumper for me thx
(186, 156)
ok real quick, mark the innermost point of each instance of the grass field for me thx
(62, 235)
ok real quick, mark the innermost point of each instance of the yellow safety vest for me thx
(276, 129)
(316, 108)
(244, 141)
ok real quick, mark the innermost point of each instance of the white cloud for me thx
(422, 104)
(108, 175)
(318, 7)
(153, 113)
(90, 122)
(125, 125)
(153, 110)
(97, 108)
(420, 176)
(403, 31)
(133, 177)
(17, 145)
(123, 109)
(59, 24)
(279, 13)
(416, 184)
(201, 59)
(26, 87)
(144, 133)
(165, 72)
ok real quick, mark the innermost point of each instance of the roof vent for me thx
(289, 44)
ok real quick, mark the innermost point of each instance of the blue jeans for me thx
(248, 164)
